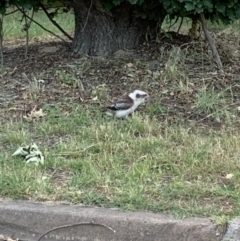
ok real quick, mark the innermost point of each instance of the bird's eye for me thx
(138, 95)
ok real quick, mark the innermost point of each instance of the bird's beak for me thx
(147, 97)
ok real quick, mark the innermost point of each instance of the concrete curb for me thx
(233, 231)
(28, 221)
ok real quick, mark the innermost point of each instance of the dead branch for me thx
(75, 225)
(55, 23)
(49, 31)
(211, 42)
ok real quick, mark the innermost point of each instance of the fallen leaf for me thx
(34, 114)
(31, 154)
(229, 176)
(131, 75)
(130, 65)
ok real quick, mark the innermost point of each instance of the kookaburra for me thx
(127, 104)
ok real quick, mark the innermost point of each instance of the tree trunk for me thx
(100, 32)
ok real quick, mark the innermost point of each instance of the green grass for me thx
(133, 164)
(12, 25)
(213, 26)
(140, 163)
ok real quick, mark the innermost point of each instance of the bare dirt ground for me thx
(172, 71)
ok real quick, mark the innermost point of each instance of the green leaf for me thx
(199, 8)
(224, 10)
(189, 6)
(2, 10)
(117, 2)
(133, 1)
(220, 7)
(58, 4)
(107, 5)
(27, 5)
(231, 14)
(208, 5)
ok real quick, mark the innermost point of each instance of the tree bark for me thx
(100, 32)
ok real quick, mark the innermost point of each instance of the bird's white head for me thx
(139, 96)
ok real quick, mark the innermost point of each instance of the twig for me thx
(55, 23)
(74, 225)
(1, 40)
(173, 23)
(14, 11)
(180, 25)
(49, 31)
(211, 43)
(87, 17)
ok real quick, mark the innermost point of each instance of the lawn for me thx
(13, 25)
(179, 153)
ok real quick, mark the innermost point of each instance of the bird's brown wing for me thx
(121, 104)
